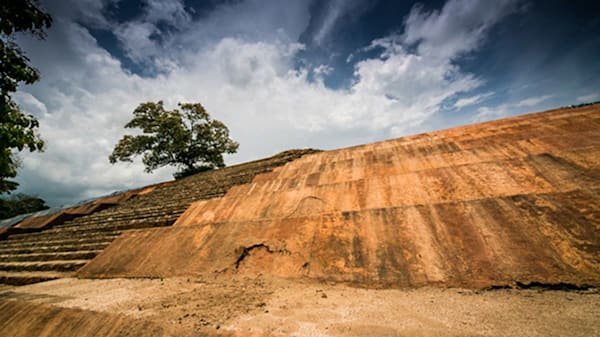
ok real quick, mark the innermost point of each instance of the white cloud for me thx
(533, 101)
(471, 100)
(334, 10)
(509, 109)
(458, 28)
(29, 103)
(588, 98)
(240, 63)
(143, 40)
(415, 86)
(488, 113)
(88, 11)
(323, 69)
(249, 20)
(170, 11)
(136, 38)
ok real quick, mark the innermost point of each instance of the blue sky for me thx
(292, 74)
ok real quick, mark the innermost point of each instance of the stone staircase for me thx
(61, 250)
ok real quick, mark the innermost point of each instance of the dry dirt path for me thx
(276, 307)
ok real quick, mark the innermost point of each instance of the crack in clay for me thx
(246, 252)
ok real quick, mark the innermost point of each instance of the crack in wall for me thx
(246, 252)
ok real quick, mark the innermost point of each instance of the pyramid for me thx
(512, 202)
(51, 246)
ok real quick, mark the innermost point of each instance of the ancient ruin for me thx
(507, 204)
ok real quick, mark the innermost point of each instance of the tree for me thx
(20, 204)
(186, 138)
(17, 130)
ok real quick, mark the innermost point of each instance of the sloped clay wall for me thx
(22, 319)
(509, 201)
(26, 319)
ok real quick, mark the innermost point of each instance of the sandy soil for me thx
(279, 307)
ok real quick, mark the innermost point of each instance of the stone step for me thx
(122, 216)
(48, 236)
(116, 225)
(43, 242)
(127, 214)
(183, 198)
(142, 209)
(50, 256)
(53, 265)
(23, 278)
(153, 204)
(54, 248)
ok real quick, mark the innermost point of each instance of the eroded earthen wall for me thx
(515, 200)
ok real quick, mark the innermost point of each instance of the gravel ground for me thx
(278, 307)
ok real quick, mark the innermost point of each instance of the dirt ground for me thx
(278, 307)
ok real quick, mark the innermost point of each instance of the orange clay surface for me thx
(508, 202)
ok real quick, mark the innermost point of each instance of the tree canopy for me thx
(187, 138)
(20, 204)
(17, 130)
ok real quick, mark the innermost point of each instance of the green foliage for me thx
(20, 204)
(188, 171)
(17, 130)
(187, 138)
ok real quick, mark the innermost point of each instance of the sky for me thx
(291, 74)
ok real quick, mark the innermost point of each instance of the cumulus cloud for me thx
(170, 11)
(415, 86)
(88, 11)
(321, 71)
(239, 61)
(147, 39)
(136, 38)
